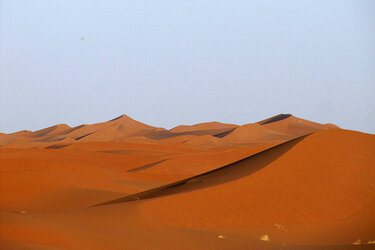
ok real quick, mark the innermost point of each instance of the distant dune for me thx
(294, 126)
(255, 133)
(280, 183)
(202, 126)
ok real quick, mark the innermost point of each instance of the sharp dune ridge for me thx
(274, 119)
(190, 182)
(280, 183)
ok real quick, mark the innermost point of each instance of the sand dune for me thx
(275, 118)
(205, 141)
(304, 181)
(202, 126)
(294, 126)
(57, 129)
(281, 183)
(6, 139)
(256, 134)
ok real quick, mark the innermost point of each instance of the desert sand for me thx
(280, 183)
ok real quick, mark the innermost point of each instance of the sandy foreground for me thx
(280, 183)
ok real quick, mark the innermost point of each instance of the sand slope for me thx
(256, 134)
(294, 126)
(281, 183)
(308, 181)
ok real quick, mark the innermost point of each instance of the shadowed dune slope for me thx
(129, 122)
(274, 119)
(293, 126)
(57, 129)
(310, 181)
(113, 130)
(327, 176)
(277, 128)
(111, 133)
(186, 184)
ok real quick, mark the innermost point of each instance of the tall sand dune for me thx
(305, 183)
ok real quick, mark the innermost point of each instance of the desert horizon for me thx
(279, 183)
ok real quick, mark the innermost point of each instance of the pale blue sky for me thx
(183, 62)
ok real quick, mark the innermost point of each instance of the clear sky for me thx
(183, 62)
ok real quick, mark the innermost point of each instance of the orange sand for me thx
(281, 183)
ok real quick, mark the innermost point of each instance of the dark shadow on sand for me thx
(145, 166)
(227, 173)
(275, 119)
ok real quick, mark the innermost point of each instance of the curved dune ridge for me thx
(275, 118)
(280, 183)
(295, 126)
(335, 184)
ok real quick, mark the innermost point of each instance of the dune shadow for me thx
(72, 129)
(224, 174)
(221, 135)
(146, 166)
(275, 118)
(117, 118)
(57, 146)
(162, 135)
(43, 132)
(83, 136)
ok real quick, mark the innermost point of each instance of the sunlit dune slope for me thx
(255, 133)
(327, 176)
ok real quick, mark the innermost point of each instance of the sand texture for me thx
(280, 183)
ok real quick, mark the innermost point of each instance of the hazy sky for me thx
(183, 62)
